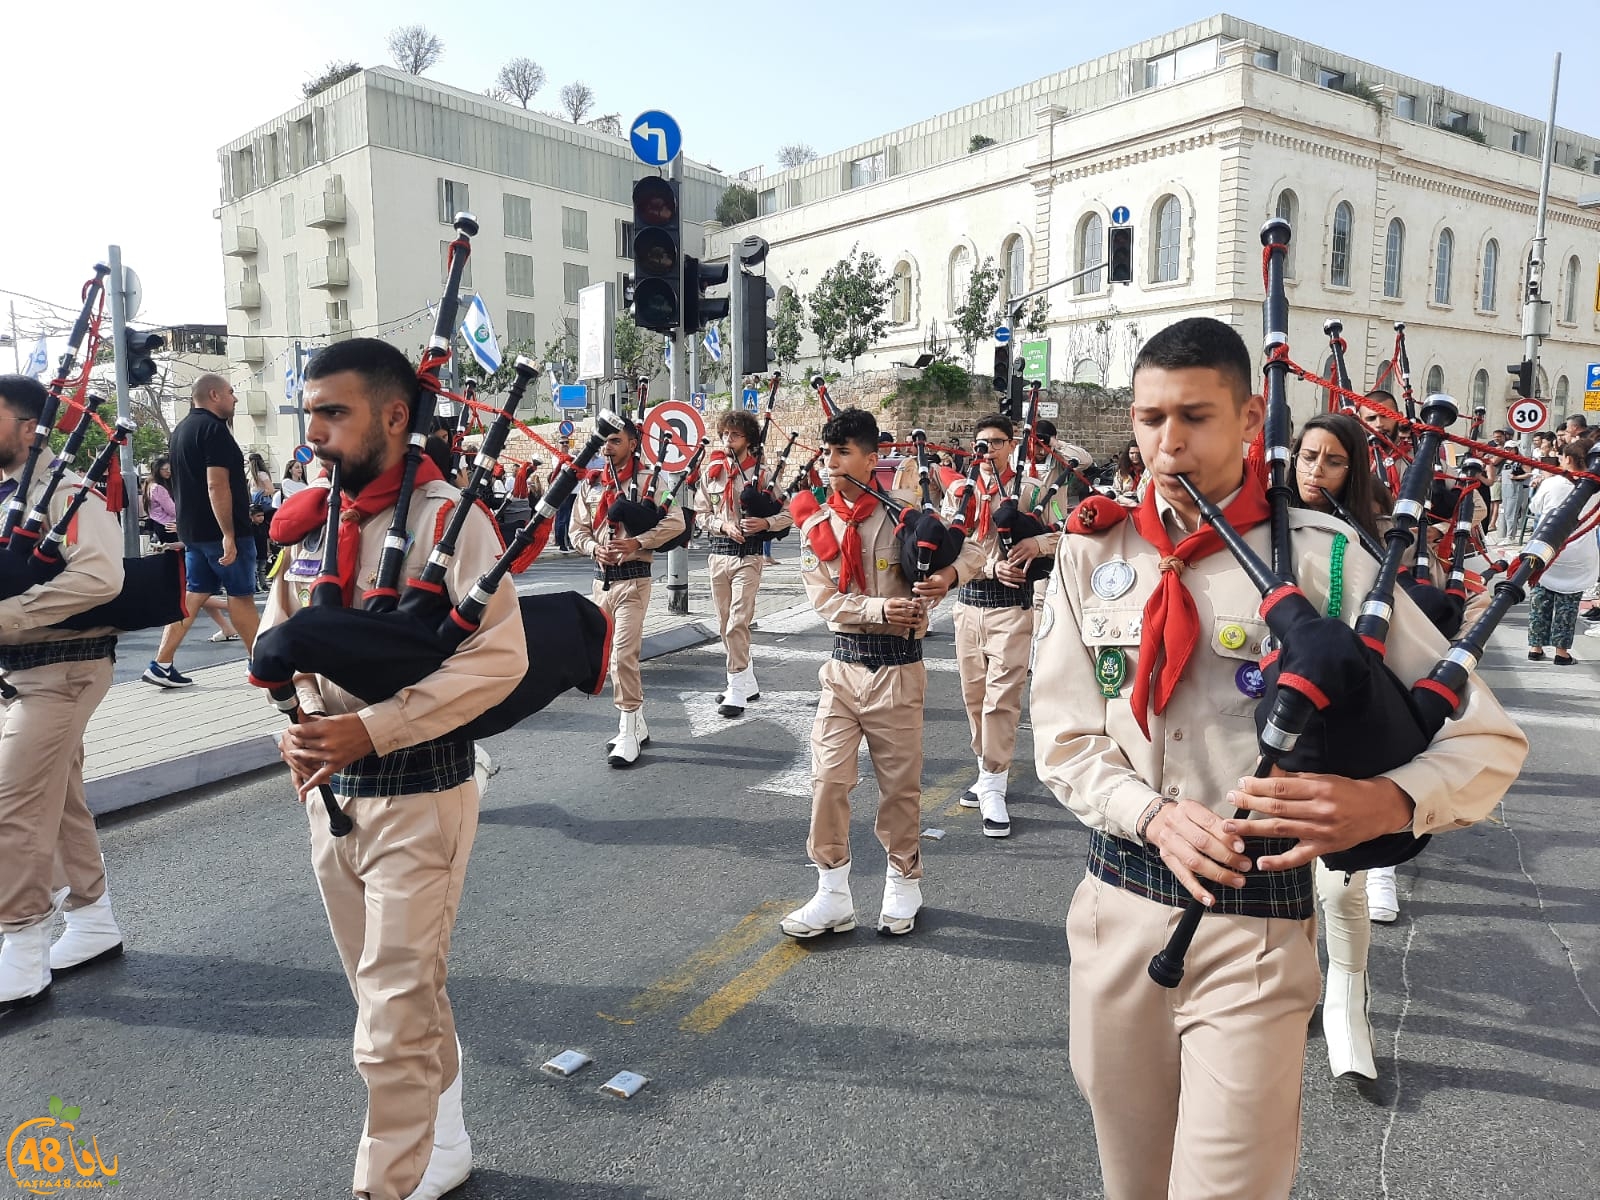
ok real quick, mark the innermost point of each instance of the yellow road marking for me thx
(720, 951)
(744, 987)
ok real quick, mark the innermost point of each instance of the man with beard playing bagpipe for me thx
(399, 767)
(620, 527)
(738, 510)
(1196, 1092)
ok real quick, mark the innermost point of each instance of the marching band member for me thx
(622, 579)
(1196, 1092)
(392, 886)
(737, 540)
(873, 686)
(51, 680)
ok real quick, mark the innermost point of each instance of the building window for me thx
(1394, 251)
(1562, 392)
(1330, 79)
(960, 276)
(1181, 64)
(1491, 275)
(1169, 238)
(519, 328)
(574, 277)
(453, 198)
(1480, 389)
(1519, 140)
(624, 239)
(1344, 218)
(444, 264)
(574, 229)
(1288, 209)
(867, 170)
(1569, 304)
(1091, 253)
(1443, 258)
(1014, 279)
(1435, 383)
(901, 306)
(1267, 60)
(1455, 119)
(767, 202)
(518, 216)
(519, 275)
(1405, 107)
(244, 171)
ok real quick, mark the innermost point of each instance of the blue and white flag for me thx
(479, 332)
(38, 362)
(713, 341)
(667, 353)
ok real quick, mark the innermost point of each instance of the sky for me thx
(115, 111)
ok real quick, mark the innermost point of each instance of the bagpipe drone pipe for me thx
(1012, 522)
(756, 500)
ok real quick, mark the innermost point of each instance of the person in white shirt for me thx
(1553, 603)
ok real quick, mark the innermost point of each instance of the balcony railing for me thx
(330, 272)
(239, 241)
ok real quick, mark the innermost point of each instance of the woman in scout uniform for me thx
(1146, 679)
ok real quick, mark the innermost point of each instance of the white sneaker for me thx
(1383, 900)
(1345, 1025)
(91, 935)
(732, 700)
(996, 820)
(450, 1162)
(25, 967)
(831, 910)
(902, 900)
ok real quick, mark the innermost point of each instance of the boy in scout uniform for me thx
(872, 687)
(735, 558)
(994, 624)
(1145, 682)
(399, 768)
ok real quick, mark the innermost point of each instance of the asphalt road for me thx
(633, 915)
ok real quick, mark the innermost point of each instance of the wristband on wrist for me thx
(1150, 815)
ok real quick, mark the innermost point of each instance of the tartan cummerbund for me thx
(627, 570)
(1289, 895)
(435, 766)
(874, 650)
(733, 549)
(991, 593)
(43, 654)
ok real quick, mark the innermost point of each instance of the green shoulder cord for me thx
(1336, 575)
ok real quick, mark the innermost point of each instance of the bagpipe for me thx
(1012, 522)
(754, 499)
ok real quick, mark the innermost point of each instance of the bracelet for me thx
(1150, 815)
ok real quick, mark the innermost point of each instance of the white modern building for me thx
(1409, 202)
(336, 214)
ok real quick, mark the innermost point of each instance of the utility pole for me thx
(1536, 310)
(117, 287)
(16, 357)
(300, 392)
(678, 558)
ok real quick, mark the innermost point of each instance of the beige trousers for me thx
(391, 888)
(885, 707)
(1195, 1091)
(47, 836)
(1345, 923)
(626, 600)
(733, 590)
(992, 647)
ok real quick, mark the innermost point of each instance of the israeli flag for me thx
(479, 332)
(38, 362)
(667, 353)
(289, 381)
(713, 341)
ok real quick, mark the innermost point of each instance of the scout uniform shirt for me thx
(92, 576)
(718, 499)
(988, 541)
(585, 537)
(481, 673)
(1089, 749)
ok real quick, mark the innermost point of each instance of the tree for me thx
(638, 350)
(715, 371)
(414, 49)
(498, 93)
(849, 306)
(492, 384)
(1037, 316)
(795, 154)
(331, 74)
(610, 123)
(737, 204)
(521, 77)
(788, 326)
(576, 100)
(976, 318)
(979, 141)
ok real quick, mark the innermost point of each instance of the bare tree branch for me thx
(795, 154)
(576, 100)
(414, 49)
(522, 78)
(610, 123)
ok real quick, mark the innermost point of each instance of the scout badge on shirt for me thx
(1111, 669)
(1232, 637)
(1250, 681)
(1112, 579)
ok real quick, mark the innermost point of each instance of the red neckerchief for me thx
(308, 510)
(985, 491)
(1171, 623)
(851, 568)
(613, 487)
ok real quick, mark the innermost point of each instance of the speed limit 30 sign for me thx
(1528, 416)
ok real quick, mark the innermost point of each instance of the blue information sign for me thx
(752, 400)
(1594, 378)
(656, 138)
(699, 401)
(303, 455)
(1003, 334)
(1120, 215)
(565, 428)
(572, 395)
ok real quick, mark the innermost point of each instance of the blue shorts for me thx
(207, 577)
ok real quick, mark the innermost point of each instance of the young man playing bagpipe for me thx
(398, 767)
(1145, 685)
(732, 481)
(623, 555)
(872, 687)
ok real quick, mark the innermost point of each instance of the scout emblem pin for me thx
(1232, 636)
(1112, 579)
(1111, 669)
(1249, 680)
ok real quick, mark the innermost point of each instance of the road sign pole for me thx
(300, 393)
(1533, 302)
(678, 558)
(736, 319)
(119, 340)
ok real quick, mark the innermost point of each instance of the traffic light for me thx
(699, 310)
(1121, 254)
(1002, 368)
(754, 323)
(1014, 399)
(139, 348)
(657, 254)
(1522, 374)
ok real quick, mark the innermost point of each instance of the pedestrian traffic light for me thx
(1522, 377)
(1121, 254)
(755, 293)
(1002, 367)
(700, 310)
(139, 347)
(657, 254)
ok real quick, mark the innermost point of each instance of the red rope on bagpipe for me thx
(491, 411)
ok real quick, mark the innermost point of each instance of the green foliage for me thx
(149, 440)
(977, 316)
(1362, 90)
(331, 74)
(980, 141)
(1472, 135)
(1036, 318)
(492, 384)
(789, 325)
(849, 306)
(638, 350)
(947, 379)
(738, 204)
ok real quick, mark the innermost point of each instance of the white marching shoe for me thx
(831, 910)
(969, 798)
(1383, 898)
(732, 700)
(641, 731)
(631, 734)
(1345, 1024)
(91, 935)
(747, 682)
(902, 900)
(991, 791)
(25, 967)
(451, 1160)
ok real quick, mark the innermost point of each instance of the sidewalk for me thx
(144, 743)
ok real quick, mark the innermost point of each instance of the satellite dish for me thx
(132, 294)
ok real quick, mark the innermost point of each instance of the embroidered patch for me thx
(1112, 579)
(1232, 637)
(1111, 670)
(808, 559)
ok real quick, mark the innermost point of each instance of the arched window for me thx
(1169, 238)
(1491, 275)
(1480, 389)
(960, 276)
(1569, 307)
(1541, 383)
(902, 293)
(1435, 382)
(1091, 253)
(1344, 219)
(1563, 390)
(1087, 371)
(1014, 280)
(1394, 253)
(1288, 209)
(1442, 260)
(1382, 378)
